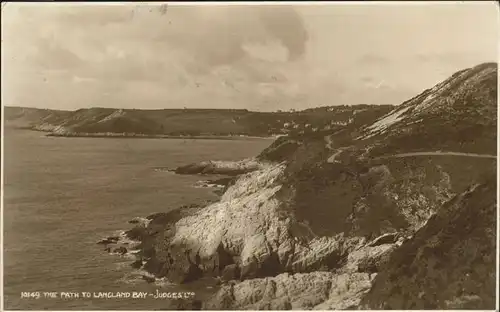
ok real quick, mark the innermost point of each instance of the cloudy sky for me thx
(131, 55)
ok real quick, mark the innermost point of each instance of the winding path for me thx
(439, 153)
(331, 159)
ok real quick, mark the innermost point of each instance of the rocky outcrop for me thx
(449, 263)
(231, 168)
(251, 233)
(303, 291)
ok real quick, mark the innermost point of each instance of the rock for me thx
(156, 215)
(136, 264)
(245, 228)
(137, 233)
(120, 250)
(107, 249)
(221, 167)
(230, 272)
(109, 240)
(140, 221)
(368, 259)
(148, 279)
(154, 266)
(218, 192)
(388, 238)
(303, 291)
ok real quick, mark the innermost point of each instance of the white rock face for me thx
(247, 224)
(317, 290)
(392, 118)
(113, 115)
(439, 99)
(244, 221)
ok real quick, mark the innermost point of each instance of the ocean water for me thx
(62, 195)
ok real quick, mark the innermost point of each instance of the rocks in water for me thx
(220, 184)
(120, 250)
(156, 215)
(223, 181)
(139, 221)
(136, 233)
(221, 167)
(179, 266)
(137, 264)
(109, 240)
(218, 192)
(148, 279)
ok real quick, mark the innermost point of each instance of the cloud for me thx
(256, 57)
(372, 59)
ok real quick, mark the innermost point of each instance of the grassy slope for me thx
(450, 263)
(180, 121)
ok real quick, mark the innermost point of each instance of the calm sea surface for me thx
(61, 195)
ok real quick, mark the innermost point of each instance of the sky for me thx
(258, 57)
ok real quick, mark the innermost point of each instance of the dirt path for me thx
(439, 153)
(331, 159)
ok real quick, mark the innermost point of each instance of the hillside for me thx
(184, 122)
(450, 263)
(330, 219)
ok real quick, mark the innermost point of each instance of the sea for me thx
(62, 195)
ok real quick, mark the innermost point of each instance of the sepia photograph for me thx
(249, 155)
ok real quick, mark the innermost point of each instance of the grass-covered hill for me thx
(185, 122)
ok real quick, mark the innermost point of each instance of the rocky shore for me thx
(66, 134)
(230, 168)
(258, 257)
(293, 230)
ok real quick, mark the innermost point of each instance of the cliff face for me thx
(327, 213)
(448, 264)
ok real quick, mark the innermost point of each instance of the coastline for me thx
(157, 136)
(115, 135)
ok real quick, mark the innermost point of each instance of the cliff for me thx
(331, 219)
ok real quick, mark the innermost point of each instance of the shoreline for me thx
(146, 136)
(116, 135)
